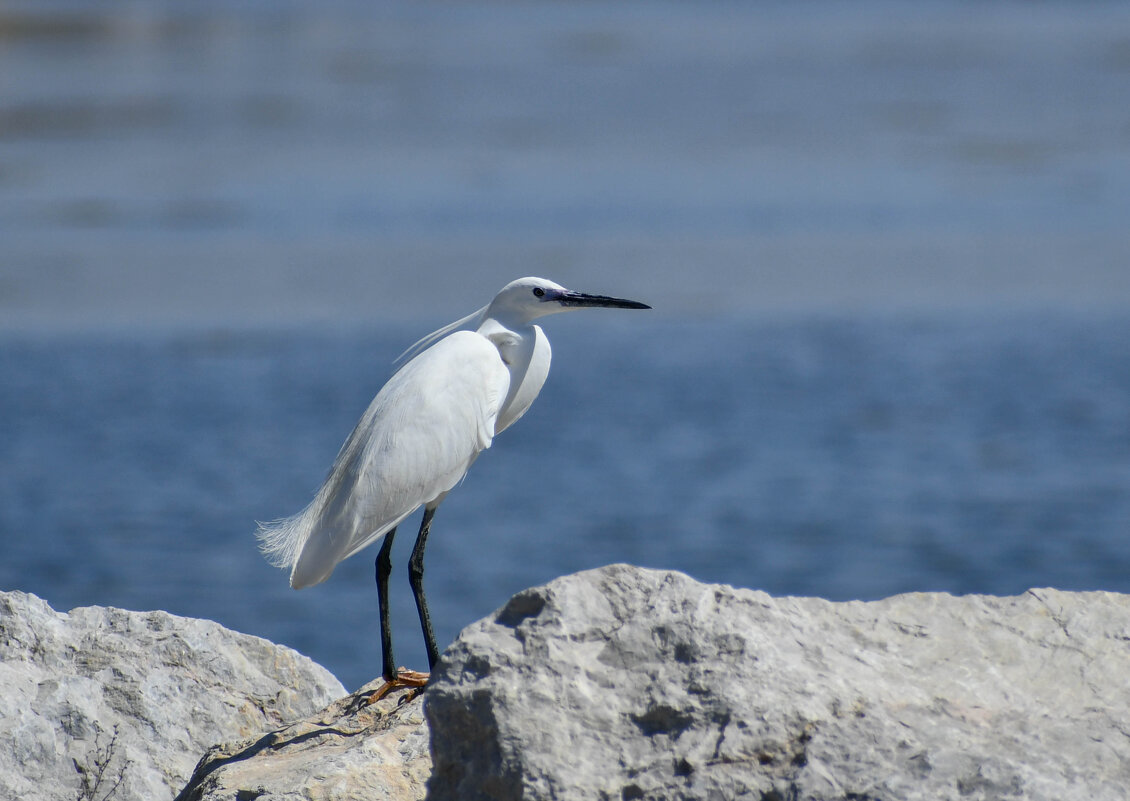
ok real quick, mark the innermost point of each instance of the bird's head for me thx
(530, 298)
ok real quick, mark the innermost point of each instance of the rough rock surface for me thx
(105, 703)
(349, 751)
(623, 683)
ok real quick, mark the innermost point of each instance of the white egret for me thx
(415, 442)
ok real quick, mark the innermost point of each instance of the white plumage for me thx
(423, 430)
(412, 446)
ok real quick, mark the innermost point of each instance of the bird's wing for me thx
(413, 444)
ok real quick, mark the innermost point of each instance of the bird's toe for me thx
(405, 679)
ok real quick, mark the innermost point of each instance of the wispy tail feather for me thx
(290, 543)
(472, 320)
(281, 541)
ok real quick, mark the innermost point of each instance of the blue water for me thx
(220, 163)
(839, 458)
(886, 243)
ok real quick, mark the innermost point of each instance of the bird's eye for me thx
(539, 292)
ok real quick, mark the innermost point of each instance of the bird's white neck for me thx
(514, 343)
(526, 352)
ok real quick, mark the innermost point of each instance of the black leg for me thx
(416, 579)
(384, 567)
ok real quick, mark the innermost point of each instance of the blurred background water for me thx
(886, 244)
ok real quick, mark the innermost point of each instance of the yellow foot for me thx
(404, 678)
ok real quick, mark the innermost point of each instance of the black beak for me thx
(571, 299)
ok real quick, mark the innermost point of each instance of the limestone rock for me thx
(349, 751)
(623, 683)
(105, 703)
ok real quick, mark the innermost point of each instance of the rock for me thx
(620, 683)
(623, 683)
(103, 703)
(349, 750)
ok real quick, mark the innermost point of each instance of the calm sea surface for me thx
(844, 459)
(888, 247)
